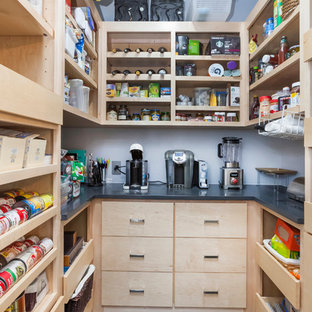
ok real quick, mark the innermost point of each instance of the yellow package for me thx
(213, 98)
(134, 91)
(110, 90)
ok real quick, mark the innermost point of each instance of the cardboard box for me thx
(235, 96)
(228, 45)
(34, 151)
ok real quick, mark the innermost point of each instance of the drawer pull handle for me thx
(136, 256)
(211, 292)
(211, 257)
(137, 221)
(136, 291)
(211, 221)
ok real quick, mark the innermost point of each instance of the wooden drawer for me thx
(137, 219)
(210, 290)
(210, 255)
(136, 289)
(211, 220)
(279, 275)
(137, 254)
(261, 303)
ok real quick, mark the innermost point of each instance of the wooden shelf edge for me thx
(279, 69)
(261, 302)
(78, 113)
(134, 77)
(208, 79)
(16, 233)
(308, 132)
(79, 72)
(138, 99)
(47, 303)
(208, 108)
(171, 124)
(141, 55)
(59, 305)
(30, 276)
(77, 269)
(307, 49)
(207, 57)
(277, 31)
(26, 173)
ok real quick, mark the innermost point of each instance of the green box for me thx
(193, 47)
(153, 90)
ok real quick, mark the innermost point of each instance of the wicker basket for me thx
(289, 6)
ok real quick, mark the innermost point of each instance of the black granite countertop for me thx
(265, 195)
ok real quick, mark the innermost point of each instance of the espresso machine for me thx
(136, 170)
(179, 168)
(231, 176)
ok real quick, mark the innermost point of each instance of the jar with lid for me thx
(155, 114)
(178, 117)
(231, 117)
(295, 94)
(199, 117)
(112, 112)
(136, 116)
(165, 116)
(264, 106)
(221, 117)
(208, 118)
(123, 112)
(146, 114)
(183, 117)
(274, 106)
(283, 52)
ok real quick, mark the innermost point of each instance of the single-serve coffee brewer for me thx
(179, 168)
(136, 170)
(231, 176)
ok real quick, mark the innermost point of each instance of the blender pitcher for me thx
(229, 150)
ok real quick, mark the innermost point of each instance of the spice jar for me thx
(165, 116)
(136, 116)
(221, 117)
(112, 112)
(183, 117)
(178, 117)
(274, 106)
(295, 94)
(123, 112)
(146, 114)
(208, 118)
(264, 106)
(231, 117)
(155, 114)
(199, 117)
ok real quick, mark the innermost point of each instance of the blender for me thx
(231, 173)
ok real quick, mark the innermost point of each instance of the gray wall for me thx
(257, 151)
(241, 9)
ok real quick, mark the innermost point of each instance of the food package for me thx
(110, 90)
(124, 92)
(134, 91)
(153, 89)
(288, 234)
(235, 96)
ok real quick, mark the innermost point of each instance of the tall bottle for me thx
(138, 72)
(115, 50)
(126, 50)
(162, 72)
(150, 72)
(282, 54)
(162, 50)
(150, 50)
(115, 72)
(126, 72)
(138, 50)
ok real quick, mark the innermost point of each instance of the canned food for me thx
(32, 240)
(16, 216)
(4, 224)
(17, 268)
(48, 200)
(31, 256)
(26, 196)
(14, 193)
(5, 208)
(8, 278)
(7, 200)
(2, 288)
(46, 245)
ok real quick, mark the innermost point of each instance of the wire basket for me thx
(289, 6)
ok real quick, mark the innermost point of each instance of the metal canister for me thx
(14, 193)
(17, 268)
(46, 245)
(5, 224)
(7, 277)
(16, 216)
(48, 200)
(31, 256)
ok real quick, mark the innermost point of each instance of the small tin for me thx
(14, 218)
(3, 288)
(5, 208)
(16, 267)
(31, 256)
(5, 224)
(46, 245)
(32, 240)
(14, 193)
(7, 200)
(8, 278)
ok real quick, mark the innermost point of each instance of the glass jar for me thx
(178, 117)
(221, 117)
(136, 116)
(146, 114)
(155, 114)
(295, 94)
(183, 117)
(274, 106)
(231, 117)
(165, 116)
(221, 98)
(112, 112)
(199, 117)
(123, 112)
(264, 106)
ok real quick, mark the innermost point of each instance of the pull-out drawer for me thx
(210, 255)
(137, 254)
(137, 219)
(210, 290)
(211, 220)
(136, 289)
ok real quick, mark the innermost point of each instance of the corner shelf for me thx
(26, 173)
(26, 280)
(21, 19)
(134, 77)
(75, 72)
(279, 275)
(289, 27)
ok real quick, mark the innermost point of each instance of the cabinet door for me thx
(228, 220)
(210, 290)
(129, 218)
(136, 289)
(137, 254)
(210, 255)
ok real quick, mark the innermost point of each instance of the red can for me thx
(5, 208)
(22, 213)
(8, 278)
(5, 224)
(2, 288)
(17, 216)
(46, 245)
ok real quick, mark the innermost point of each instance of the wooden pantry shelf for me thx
(11, 236)
(88, 46)
(308, 132)
(26, 280)
(138, 123)
(47, 303)
(220, 57)
(134, 77)
(75, 117)
(26, 173)
(279, 275)
(207, 78)
(19, 18)
(31, 101)
(262, 303)
(307, 46)
(141, 55)
(206, 124)
(289, 28)
(138, 100)
(59, 305)
(75, 72)
(77, 269)
(208, 108)
(282, 75)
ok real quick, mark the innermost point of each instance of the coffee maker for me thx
(136, 170)
(179, 168)
(231, 176)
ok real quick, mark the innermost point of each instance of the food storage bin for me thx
(70, 41)
(202, 96)
(86, 96)
(76, 93)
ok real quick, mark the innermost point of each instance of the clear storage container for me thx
(76, 93)
(86, 96)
